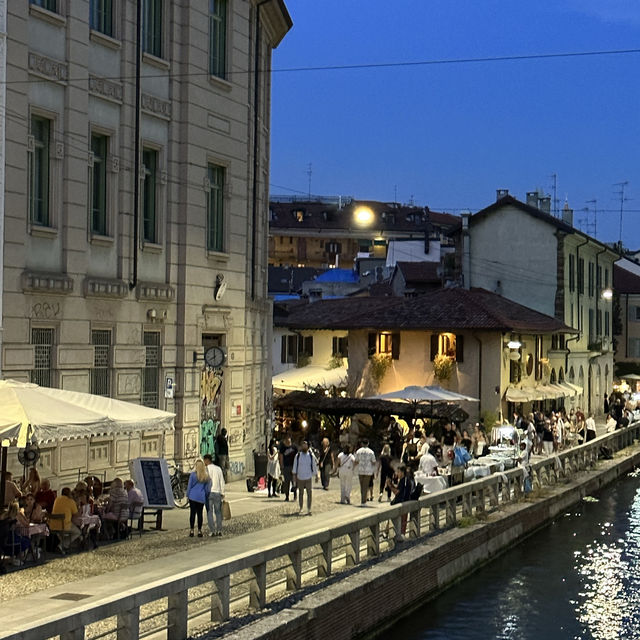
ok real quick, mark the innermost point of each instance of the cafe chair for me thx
(64, 537)
(135, 519)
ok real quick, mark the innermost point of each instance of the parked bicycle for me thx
(179, 483)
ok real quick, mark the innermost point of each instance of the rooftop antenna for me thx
(309, 174)
(554, 186)
(593, 225)
(620, 193)
(395, 193)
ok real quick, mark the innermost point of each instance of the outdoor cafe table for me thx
(36, 532)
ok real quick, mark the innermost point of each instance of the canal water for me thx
(579, 578)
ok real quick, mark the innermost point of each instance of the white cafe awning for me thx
(513, 394)
(310, 376)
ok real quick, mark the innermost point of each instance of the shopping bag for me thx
(226, 510)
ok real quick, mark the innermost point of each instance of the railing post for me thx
(177, 615)
(451, 512)
(434, 517)
(128, 624)
(258, 587)
(506, 492)
(480, 500)
(353, 549)
(76, 634)
(467, 505)
(220, 599)
(294, 572)
(494, 496)
(373, 541)
(324, 559)
(416, 523)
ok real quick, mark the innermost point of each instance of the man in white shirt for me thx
(366, 468)
(428, 464)
(136, 501)
(214, 505)
(305, 467)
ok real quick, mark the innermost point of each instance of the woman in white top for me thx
(345, 471)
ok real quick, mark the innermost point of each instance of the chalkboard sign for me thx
(152, 478)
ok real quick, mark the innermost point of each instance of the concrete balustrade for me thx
(363, 535)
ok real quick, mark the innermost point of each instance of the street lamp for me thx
(363, 216)
(607, 294)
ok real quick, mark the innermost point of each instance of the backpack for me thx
(417, 491)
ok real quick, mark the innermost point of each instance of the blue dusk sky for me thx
(449, 135)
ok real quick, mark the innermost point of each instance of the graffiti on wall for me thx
(210, 409)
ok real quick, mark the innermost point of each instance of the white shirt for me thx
(217, 478)
(346, 462)
(428, 465)
(591, 424)
(366, 461)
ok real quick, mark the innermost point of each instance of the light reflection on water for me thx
(578, 578)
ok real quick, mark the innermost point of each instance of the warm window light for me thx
(607, 294)
(363, 216)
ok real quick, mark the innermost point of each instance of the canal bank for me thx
(364, 603)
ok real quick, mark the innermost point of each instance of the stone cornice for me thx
(48, 67)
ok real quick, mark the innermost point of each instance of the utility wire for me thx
(357, 66)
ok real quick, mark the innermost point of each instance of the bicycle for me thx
(179, 482)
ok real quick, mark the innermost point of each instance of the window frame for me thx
(152, 188)
(99, 164)
(152, 39)
(218, 36)
(41, 150)
(340, 347)
(101, 373)
(36, 374)
(101, 11)
(216, 194)
(148, 371)
(384, 343)
(437, 346)
(46, 5)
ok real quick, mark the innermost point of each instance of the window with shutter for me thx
(459, 348)
(395, 346)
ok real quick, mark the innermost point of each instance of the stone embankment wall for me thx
(364, 603)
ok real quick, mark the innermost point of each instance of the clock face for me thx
(214, 357)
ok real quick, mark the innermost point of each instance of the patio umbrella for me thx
(416, 395)
(57, 414)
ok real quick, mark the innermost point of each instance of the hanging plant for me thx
(443, 367)
(378, 367)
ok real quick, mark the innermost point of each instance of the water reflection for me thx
(578, 578)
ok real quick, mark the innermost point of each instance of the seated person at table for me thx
(32, 482)
(32, 511)
(136, 501)
(81, 495)
(13, 544)
(428, 463)
(66, 506)
(11, 491)
(117, 506)
(46, 497)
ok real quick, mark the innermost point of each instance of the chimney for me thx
(532, 199)
(567, 214)
(545, 204)
(501, 193)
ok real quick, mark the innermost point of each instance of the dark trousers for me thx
(325, 474)
(195, 509)
(364, 487)
(287, 473)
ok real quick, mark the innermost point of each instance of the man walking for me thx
(366, 467)
(287, 453)
(305, 468)
(214, 505)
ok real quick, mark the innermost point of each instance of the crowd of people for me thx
(81, 512)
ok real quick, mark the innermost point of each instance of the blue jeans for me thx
(214, 506)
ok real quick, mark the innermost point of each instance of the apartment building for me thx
(107, 297)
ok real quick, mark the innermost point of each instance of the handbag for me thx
(226, 510)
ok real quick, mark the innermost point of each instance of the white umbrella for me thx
(431, 393)
(56, 414)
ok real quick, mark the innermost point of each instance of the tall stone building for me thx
(96, 300)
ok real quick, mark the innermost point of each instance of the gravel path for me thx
(152, 545)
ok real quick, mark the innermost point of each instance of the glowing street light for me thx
(363, 216)
(607, 294)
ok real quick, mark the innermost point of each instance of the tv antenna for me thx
(554, 186)
(309, 174)
(592, 227)
(623, 199)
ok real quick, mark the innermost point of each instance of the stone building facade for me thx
(88, 308)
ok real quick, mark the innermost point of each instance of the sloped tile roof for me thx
(419, 272)
(625, 281)
(442, 310)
